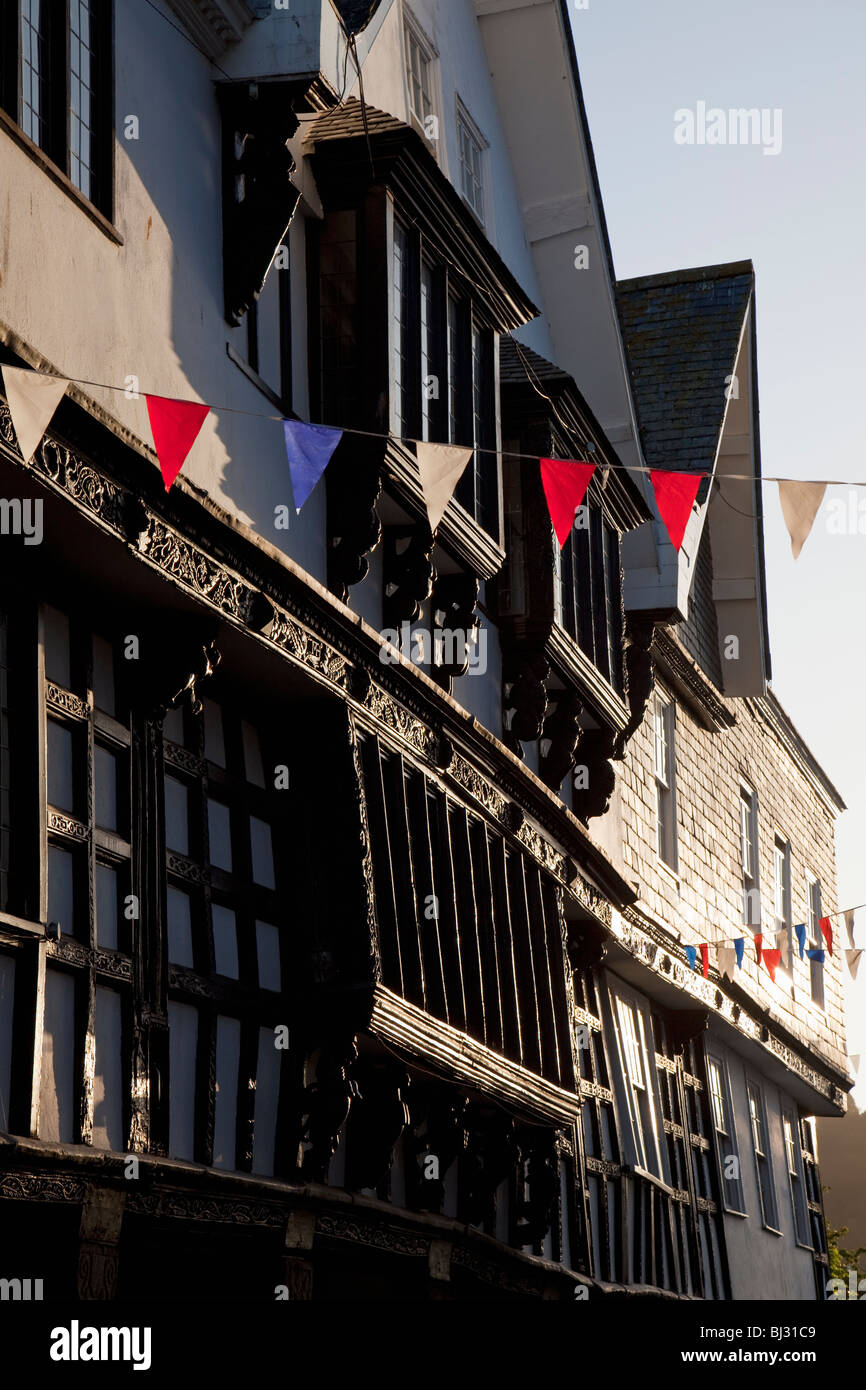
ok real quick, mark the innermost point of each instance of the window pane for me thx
(106, 907)
(179, 928)
(268, 949)
(60, 778)
(103, 675)
(57, 1089)
(183, 1038)
(225, 941)
(7, 999)
(57, 667)
(176, 815)
(252, 755)
(61, 894)
(263, 854)
(105, 788)
(108, 1072)
(228, 1056)
(219, 831)
(214, 741)
(267, 1099)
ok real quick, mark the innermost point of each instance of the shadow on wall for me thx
(842, 1162)
(177, 162)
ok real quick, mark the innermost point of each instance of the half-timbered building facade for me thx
(346, 871)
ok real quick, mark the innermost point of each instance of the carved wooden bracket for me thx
(587, 945)
(639, 676)
(354, 481)
(408, 573)
(454, 616)
(684, 1025)
(379, 1116)
(561, 727)
(259, 200)
(328, 1101)
(594, 751)
(524, 692)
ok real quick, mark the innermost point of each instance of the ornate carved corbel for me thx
(639, 677)
(587, 945)
(259, 200)
(490, 1155)
(328, 1101)
(524, 692)
(455, 624)
(379, 1117)
(444, 1139)
(562, 728)
(354, 482)
(594, 751)
(408, 573)
(684, 1025)
(535, 1213)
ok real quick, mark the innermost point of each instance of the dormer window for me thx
(419, 78)
(471, 151)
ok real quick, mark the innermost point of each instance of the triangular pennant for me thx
(800, 503)
(565, 482)
(815, 954)
(849, 923)
(440, 467)
(675, 497)
(174, 425)
(853, 960)
(33, 398)
(771, 960)
(705, 959)
(800, 932)
(308, 450)
(827, 932)
(727, 957)
(758, 946)
(692, 954)
(739, 947)
(854, 1059)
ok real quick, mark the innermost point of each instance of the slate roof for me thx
(346, 121)
(512, 359)
(681, 332)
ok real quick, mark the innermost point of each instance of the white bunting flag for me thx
(440, 466)
(849, 923)
(800, 503)
(33, 399)
(854, 1059)
(727, 957)
(853, 959)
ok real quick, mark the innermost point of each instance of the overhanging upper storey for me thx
(690, 342)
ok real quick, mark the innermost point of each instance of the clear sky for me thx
(799, 216)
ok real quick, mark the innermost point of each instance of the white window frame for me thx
(415, 37)
(815, 941)
(725, 1134)
(638, 1081)
(465, 124)
(664, 774)
(782, 914)
(800, 1214)
(762, 1153)
(750, 855)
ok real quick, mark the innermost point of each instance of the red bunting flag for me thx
(705, 959)
(827, 932)
(771, 960)
(174, 425)
(675, 497)
(565, 482)
(758, 940)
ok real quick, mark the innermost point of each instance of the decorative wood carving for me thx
(491, 1151)
(587, 945)
(534, 1214)
(407, 573)
(379, 1116)
(525, 694)
(328, 1102)
(454, 600)
(562, 728)
(259, 200)
(594, 751)
(639, 676)
(444, 1110)
(354, 482)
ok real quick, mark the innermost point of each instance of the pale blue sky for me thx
(799, 216)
